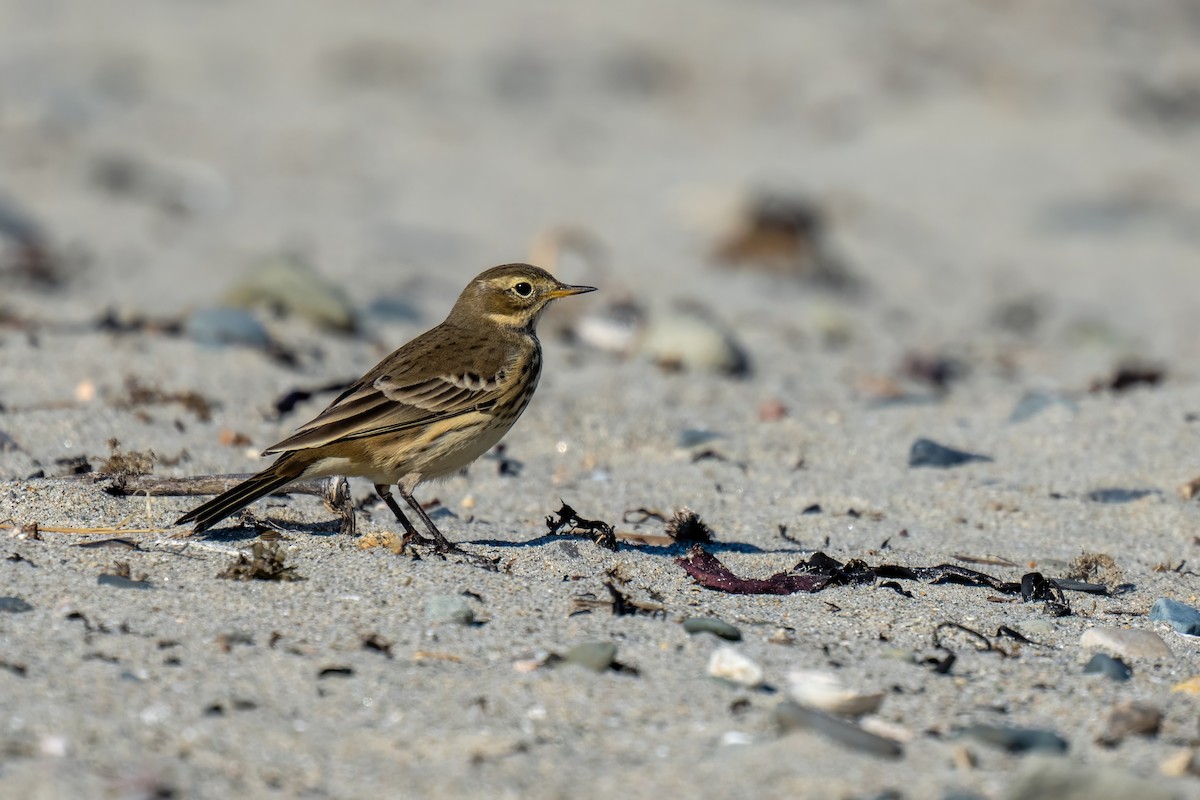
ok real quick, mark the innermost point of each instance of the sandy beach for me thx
(821, 232)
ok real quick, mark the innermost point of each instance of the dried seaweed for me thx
(138, 394)
(266, 563)
(122, 466)
(600, 531)
(687, 527)
(820, 571)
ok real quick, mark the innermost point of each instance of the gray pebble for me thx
(690, 338)
(14, 605)
(1037, 627)
(928, 453)
(451, 608)
(1062, 779)
(291, 285)
(694, 437)
(1183, 618)
(1102, 664)
(1116, 496)
(714, 626)
(596, 656)
(1033, 403)
(791, 716)
(1126, 642)
(1017, 740)
(221, 327)
(8, 444)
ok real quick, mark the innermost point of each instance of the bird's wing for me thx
(413, 387)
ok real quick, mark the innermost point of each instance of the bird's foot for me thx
(444, 547)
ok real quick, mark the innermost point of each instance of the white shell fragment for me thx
(826, 692)
(728, 664)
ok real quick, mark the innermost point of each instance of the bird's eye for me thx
(524, 288)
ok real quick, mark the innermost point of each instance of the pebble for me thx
(1184, 763)
(290, 284)
(1129, 718)
(8, 444)
(1033, 403)
(219, 327)
(614, 328)
(791, 716)
(451, 608)
(1017, 740)
(1037, 627)
(714, 626)
(730, 665)
(826, 692)
(1045, 778)
(691, 339)
(1103, 664)
(928, 453)
(1115, 496)
(694, 437)
(1126, 642)
(1183, 618)
(596, 656)
(14, 605)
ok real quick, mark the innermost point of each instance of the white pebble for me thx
(728, 664)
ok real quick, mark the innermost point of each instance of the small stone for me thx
(1103, 664)
(694, 437)
(1045, 778)
(716, 627)
(221, 327)
(791, 716)
(1183, 764)
(1033, 403)
(14, 605)
(1037, 627)
(928, 453)
(289, 284)
(689, 338)
(730, 665)
(771, 410)
(1129, 718)
(1183, 618)
(596, 656)
(826, 692)
(1190, 686)
(448, 608)
(1117, 496)
(1017, 740)
(8, 444)
(1190, 489)
(1126, 642)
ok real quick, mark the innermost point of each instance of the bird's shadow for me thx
(245, 533)
(674, 549)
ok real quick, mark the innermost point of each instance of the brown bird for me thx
(428, 409)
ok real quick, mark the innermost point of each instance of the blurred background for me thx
(945, 165)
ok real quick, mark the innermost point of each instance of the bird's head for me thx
(511, 295)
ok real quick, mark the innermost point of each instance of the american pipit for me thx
(428, 409)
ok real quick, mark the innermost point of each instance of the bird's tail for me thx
(285, 470)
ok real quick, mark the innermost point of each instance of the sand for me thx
(968, 158)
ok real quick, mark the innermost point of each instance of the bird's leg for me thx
(441, 543)
(410, 533)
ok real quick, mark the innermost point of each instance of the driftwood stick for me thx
(335, 491)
